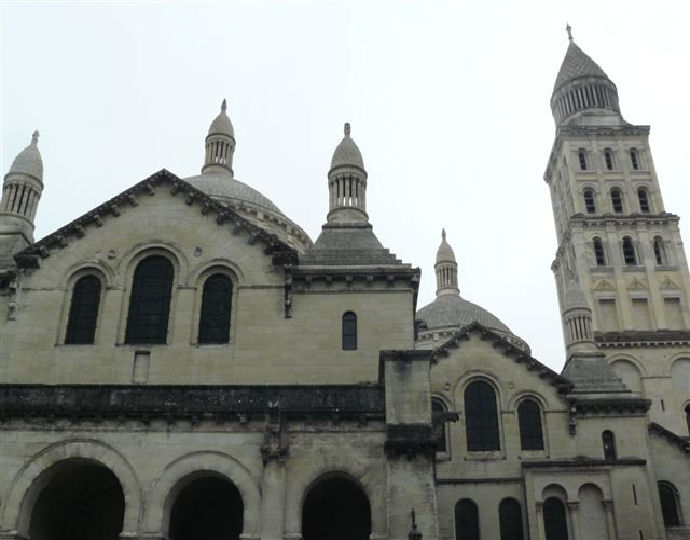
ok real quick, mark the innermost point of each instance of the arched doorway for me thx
(79, 500)
(336, 508)
(207, 508)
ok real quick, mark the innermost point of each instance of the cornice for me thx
(642, 339)
(622, 221)
(682, 443)
(584, 463)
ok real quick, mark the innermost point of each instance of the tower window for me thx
(349, 331)
(634, 159)
(214, 322)
(83, 311)
(149, 304)
(582, 158)
(481, 418)
(668, 497)
(643, 199)
(608, 158)
(659, 251)
(510, 519)
(599, 254)
(438, 412)
(555, 524)
(608, 440)
(529, 415)
(629, 251)
(617, 200)
(590, 205)
(466, 520)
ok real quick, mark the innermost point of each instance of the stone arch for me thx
(183, 470)
(370, 479)
(27, 484)
(470, 376)
(629, 372)
(198, 273)
(555, 490)
(77, 270)
(680, 374)
(138, 252)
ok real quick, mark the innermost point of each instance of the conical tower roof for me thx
(29, 160)
(347, 153)
(221, 124)
(576, 64)
(445, 252)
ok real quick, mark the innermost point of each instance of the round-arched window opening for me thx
(336, 508)
(208, 508)
(81, 500)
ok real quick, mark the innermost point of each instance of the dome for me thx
(445, 252)
(29, 161)
(347, 153)
(222, 125)
(223, 187)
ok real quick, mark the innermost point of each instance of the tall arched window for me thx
(349, 331)
(438, 412)
(669, 504)
(599, 253)
(617, 200)
(629, 251)
(659, 251)
(634, 159)
(590, 205)
(555, 524)
(608, 440)
(510, 519)
(608, 158)
(643, 199)
(466, 520)
(687, 417)
(216, 301)
(529, 415)
(83, 310)
(481, 417)
(149, 303)
(582, 159)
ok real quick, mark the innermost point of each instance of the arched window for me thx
(510, 519)
(83, 310)
(438, 412)
(687, 417)
(466, 520)
(599, 253)
(669, 504)
(617, 200)
(608, 440)
(608, 158)
(481, 418)
(629, 251)
(529, 415)
(643, 199)
(555, 524)
(216, 301)
(590, 205)
(634, 159)
(582, 159)
(149, 303)
(349, 331)
(659, 251)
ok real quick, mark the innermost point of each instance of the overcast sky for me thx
(448, 101)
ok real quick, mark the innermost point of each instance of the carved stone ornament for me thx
(603, 285)
(668, 283)
(636, 284)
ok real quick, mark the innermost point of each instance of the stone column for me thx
(540, 520)
(273, 500)
(610, 523)
(574, 518)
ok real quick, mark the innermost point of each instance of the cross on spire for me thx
(568, 29)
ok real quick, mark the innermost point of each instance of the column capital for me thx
(573, 506)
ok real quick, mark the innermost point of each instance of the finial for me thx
(443, 234)
(347, 129)
(568, 29)
(223, 106)
(34, 137)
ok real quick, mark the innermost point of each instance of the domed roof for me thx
(445, 252)
(577, 64)
(222, 186)
(347, 153)
(29, 161)
(222, 125)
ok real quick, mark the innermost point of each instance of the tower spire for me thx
(220, 144)
(568, 29)
(446, 269)
(347, 183)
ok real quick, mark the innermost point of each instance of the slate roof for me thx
(577, 64)
(353, 244)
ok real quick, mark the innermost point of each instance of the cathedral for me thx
(183, 362)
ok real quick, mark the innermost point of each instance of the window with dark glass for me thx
(590, 206)
(687, 417)
(629, 251)
(438, 412)
(659, 252)
(634, 159)
(608, 440)
(481, 417)
(608, 157)
(643, 199)
(582, 159)
(555, 525)
(349, 331)
(669, 504)
(599, 254)
(149, 303)
(510, 519)
(617, 201)
(529, 416)
(216, 301)
(83, 310)
(466, 520)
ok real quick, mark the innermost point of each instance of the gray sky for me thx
(448, 101)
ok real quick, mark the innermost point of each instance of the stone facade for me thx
(334, 408)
